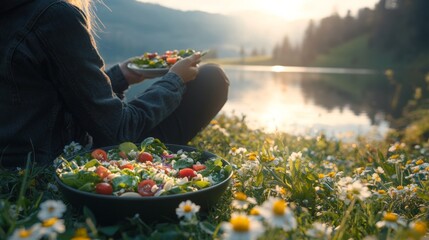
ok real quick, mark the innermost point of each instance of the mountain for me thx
(130, 28)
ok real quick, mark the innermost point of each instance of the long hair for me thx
(87, 8)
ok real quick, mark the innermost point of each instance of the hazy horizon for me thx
(286, 9)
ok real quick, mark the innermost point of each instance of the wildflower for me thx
(396, 158)
(379, 170)
(81, 234)
(320, 231)
(51, 209)
(294, 156)
(241, 201)
(221, 130)
(240, 226)
(418, 228)
(252, 156)
(390, 220)
(280, 191)
(381, 191)
(396, 146)
(234, 151)
(52, 226)
(187, 210)
(352, 191)
(376, 177)
(345, 181)
(277, 214)
(23, 233)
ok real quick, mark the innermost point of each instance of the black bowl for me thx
(113, 209)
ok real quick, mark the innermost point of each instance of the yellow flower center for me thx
(420, 227)
(420, 162)
(240, 223)
(390, 217)
(214, 122)
(81, 234)
(233, 149)
(254, 212)
(321, 175)
(381, 191)
(395, 156)
(252, 157)
(24, 233)
(400, 187)
(49, 222)
(187, 208)
(416, 170)
(279, 207)
(240, 196)
(409, 162)
(331, 174)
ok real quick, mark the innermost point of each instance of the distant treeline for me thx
(399, 28)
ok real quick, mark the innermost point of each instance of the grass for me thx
(302, 187)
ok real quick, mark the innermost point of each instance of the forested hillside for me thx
(394, 33)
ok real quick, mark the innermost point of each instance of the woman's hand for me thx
(187, 68)
(131, 76)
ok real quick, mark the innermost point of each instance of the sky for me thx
(287, 9)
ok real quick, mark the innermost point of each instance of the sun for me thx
(287, 9)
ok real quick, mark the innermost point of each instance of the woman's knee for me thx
(214, 78)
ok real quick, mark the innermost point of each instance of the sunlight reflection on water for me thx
(277, 98)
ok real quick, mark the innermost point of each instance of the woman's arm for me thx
(76, 70)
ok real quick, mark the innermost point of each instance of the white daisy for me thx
(50, 209)
(187, 210)
(320, 231)
(241, 227)
(277, 214)
(294, 156)
(390, 220)
(52, 226)
(31, 233)
(241, 201)
(354, 190)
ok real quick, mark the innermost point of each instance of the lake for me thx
(341, 103)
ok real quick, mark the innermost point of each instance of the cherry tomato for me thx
(145, 187)
(151, 55)
(187, 172)
(127, 165)
(145, 157)
(102, 171)
(171, 60)
(99, 154)
(104, 188)
(123, 155)
(198, 167)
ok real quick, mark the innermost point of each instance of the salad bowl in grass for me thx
(149, 179)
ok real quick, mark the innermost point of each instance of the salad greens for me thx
(150, 169)
(154, 60)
